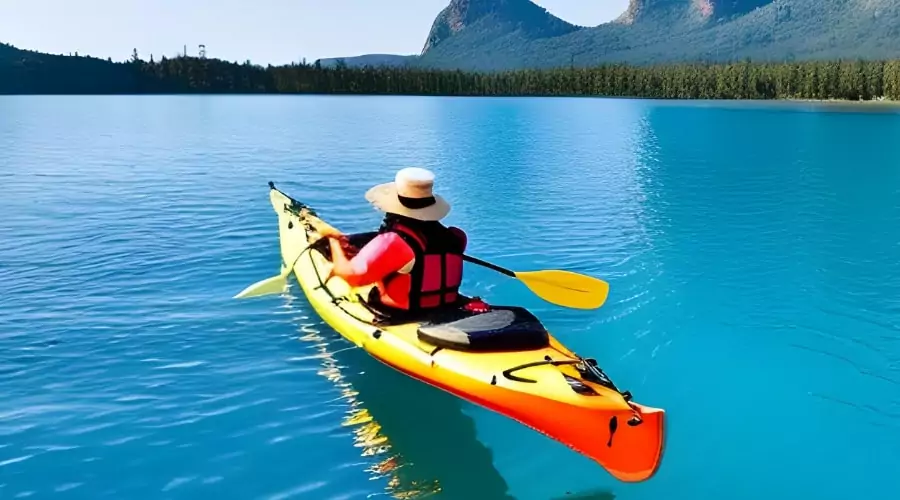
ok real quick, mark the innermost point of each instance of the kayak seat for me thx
(500, 329)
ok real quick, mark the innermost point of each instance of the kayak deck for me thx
(545, 386)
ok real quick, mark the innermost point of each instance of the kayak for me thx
(502, 359)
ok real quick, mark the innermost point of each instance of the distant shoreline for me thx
(844, 84)
(878, 103)
(837, 103)
(881, 105)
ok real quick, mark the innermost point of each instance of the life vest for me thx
(436, 275)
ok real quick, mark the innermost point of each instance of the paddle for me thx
(563, 288)
(268, 286)
(276, 284)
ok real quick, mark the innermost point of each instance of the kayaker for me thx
(414, 261)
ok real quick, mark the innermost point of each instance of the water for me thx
(753, 253)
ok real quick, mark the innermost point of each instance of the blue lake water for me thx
(753, 253)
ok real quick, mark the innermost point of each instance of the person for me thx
(414, 261)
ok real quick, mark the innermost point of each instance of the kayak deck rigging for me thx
(587, 367)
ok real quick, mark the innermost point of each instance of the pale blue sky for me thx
(264, 31)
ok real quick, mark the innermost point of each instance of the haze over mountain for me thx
(510, 34)
(369, 60)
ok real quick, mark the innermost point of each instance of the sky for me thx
(264, 31)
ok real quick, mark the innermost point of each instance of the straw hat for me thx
(411, 194)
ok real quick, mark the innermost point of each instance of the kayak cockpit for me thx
(500, 329)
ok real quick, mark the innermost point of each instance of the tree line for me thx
(841, 79)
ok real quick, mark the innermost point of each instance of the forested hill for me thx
(508, 34)
(25, 72)
(28, 72)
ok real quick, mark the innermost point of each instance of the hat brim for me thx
(384, 198)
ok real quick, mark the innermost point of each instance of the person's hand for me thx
(326, 230)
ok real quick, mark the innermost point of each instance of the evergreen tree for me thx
(38, 73)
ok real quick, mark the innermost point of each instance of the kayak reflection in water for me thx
(414, 261)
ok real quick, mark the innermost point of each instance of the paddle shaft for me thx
(562, 288)
(488, 265)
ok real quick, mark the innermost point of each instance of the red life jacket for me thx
(437, 273)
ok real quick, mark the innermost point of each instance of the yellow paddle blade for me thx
(275, 284)
(565, 288)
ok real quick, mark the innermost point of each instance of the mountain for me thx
(496, 17)
(493, 18)
(391, 60)
(512, 34)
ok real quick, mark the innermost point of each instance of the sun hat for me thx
(411, 194)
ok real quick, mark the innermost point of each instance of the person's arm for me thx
(339, 258)
(384, 254)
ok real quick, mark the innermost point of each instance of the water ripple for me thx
(739, 273)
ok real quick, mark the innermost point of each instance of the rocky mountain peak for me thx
(706, 9)
(523, 15)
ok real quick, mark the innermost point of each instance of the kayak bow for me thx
(503, 360)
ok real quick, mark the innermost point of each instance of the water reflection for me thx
(758, 218)
(417, 436)
(558, 184)
(588, 495)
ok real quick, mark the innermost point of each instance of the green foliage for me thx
(28, 72)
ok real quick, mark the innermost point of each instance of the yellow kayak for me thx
(522, 372)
